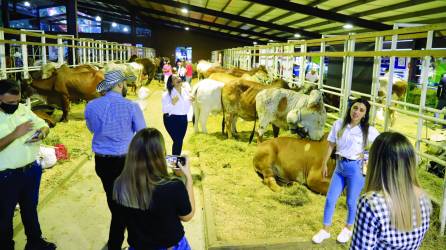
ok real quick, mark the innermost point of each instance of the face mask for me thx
(124, 92)
(9, 108)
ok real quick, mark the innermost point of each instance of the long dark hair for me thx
(364, 123)
(145, 167)
(169, 84)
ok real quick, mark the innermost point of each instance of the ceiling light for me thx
(270, 40)
(125, 29)
(297, 35)
(347, 26)
(98, 18)
(244, 35)
(184, 10)
(187, 28)
(114, 24)
(27, 4)
(255, 43)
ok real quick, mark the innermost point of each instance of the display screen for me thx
(183, 53)
(52, 11)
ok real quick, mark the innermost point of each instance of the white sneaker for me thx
(344, 235)
(321, 236)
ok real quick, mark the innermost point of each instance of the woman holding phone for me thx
(152, 203)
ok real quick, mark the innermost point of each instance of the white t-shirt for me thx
(181, 107)
(350, 144)
(181, 71)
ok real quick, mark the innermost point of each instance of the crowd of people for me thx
(130, 160)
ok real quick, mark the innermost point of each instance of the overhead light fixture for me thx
(244, 35)
(270, 40)
(184, 10)
(297, 35)
(347, 26)
(114, 24)
(255, 43)
(98, 18)
(125, 29)
(187, 28)
(27, 4)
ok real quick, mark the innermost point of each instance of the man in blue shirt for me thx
(113, 120)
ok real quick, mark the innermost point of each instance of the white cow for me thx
(207, 95)
(133, 68)
(275, 105)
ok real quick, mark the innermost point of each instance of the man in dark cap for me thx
(113, 120)
(20, 134)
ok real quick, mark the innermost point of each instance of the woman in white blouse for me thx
(176, 103)
(350, 136)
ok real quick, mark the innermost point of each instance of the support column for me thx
(5, 13)
(133, 30)
(72, 25)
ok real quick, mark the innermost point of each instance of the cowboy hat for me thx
(111, 79)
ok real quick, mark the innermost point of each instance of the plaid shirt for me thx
(113, 120)
(373, 228)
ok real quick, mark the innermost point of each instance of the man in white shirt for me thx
(312, 76)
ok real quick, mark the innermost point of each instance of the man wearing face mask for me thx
(113, 120)
(20, 134)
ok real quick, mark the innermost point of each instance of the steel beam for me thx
(236, 18)
(325, 14)
(211, 24)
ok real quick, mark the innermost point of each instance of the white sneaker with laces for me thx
(321, 236)
(344, 235)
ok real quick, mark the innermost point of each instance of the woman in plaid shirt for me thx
(394, 211)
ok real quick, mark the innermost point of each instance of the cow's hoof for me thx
(272, 184)
(275, 188)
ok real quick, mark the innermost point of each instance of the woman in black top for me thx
(153, 204)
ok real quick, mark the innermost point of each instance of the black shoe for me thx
(40, 244)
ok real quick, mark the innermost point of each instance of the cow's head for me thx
(307, 122)
(262, 77)
(315, 100)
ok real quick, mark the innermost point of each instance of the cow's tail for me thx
(223, 111)
(195, 104)
(252, 132)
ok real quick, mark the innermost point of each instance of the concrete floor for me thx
(77, 217)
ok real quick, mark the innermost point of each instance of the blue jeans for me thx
(347, 173)
(19, 186)
(182, 245)
(176, 126)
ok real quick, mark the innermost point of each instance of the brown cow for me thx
(214, 69)
(290, 159)
(239, 100)
(222, 77)
(259, 74)
(399, 89)
(67, 85)
(149, 68)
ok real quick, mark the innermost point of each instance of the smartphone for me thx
(173, 160)
(33, 137)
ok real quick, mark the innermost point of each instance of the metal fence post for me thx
(24, 56)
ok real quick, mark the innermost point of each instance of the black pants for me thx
(108, 169)
(19, 186)
(176, 126)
